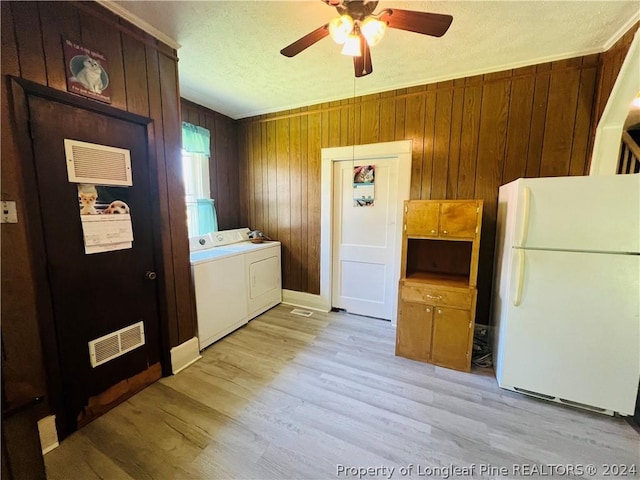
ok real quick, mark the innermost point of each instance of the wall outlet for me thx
(8, 212)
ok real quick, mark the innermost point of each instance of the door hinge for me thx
(406, 209)
(405, 227)
(469, 324)
(466, 355)
(476, 229)
(477, 209)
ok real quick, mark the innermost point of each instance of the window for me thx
(201, 215)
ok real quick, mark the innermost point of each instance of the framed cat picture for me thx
(86, 71)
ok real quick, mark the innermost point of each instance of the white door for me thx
(574, 333)
(366, 259)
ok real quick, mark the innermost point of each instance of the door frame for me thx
(606, 146)
(20, 89)
(401, 150)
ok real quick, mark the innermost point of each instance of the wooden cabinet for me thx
(437, 297)
(422, 218)
(414, 339)
(446, 219)
(452, 338)
(459, 219)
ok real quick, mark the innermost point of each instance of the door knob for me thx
(149, 275)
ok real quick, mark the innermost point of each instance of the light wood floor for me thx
(294, 397)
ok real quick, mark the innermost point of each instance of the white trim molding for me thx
(400, 150)
(48, 433)
(138, 22)
(185, 354)
(606, 147)
(621, 31)
(305, 300)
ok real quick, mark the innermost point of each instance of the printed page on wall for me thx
(364, 185)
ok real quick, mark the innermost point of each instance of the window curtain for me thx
(202, 212)
(207, 218)
(195, 139)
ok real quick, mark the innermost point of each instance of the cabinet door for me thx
(413, 334)
(422, 218)
(451, 338)
(458, 219)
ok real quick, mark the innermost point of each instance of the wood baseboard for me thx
(105, 401)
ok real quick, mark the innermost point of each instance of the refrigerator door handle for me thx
(520, 279)
(524, 226)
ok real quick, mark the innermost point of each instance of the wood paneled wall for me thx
(470, 136)
(223, 164)
(144, 80)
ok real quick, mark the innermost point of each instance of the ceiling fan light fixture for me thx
(340, 28)
(373, 30)
(352, 46)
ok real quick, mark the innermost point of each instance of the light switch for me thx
(9, 213)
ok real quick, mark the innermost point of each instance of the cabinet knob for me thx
(439, 311)
(445, 232)
(433, 231)
(428, 310)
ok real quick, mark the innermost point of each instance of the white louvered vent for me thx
(115, 344)
(97, 164)
(302, 313)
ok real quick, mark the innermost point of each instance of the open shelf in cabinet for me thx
(438, 261)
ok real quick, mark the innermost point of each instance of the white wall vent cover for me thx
(115, 344)
(97, 164)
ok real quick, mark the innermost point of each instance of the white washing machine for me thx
(235, 280)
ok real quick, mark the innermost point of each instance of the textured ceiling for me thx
(230, 60)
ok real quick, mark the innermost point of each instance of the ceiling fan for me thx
(358, 28)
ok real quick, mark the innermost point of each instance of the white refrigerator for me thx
(566, 290)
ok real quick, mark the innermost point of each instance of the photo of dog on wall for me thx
(91, 204)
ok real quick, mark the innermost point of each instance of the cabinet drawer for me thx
(462, 298)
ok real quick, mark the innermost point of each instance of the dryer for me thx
(262, 265)
(264, 285)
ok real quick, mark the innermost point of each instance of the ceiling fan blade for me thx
(434, 24)
(306, 41)
(362, 64)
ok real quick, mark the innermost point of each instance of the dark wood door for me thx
(93, 294)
